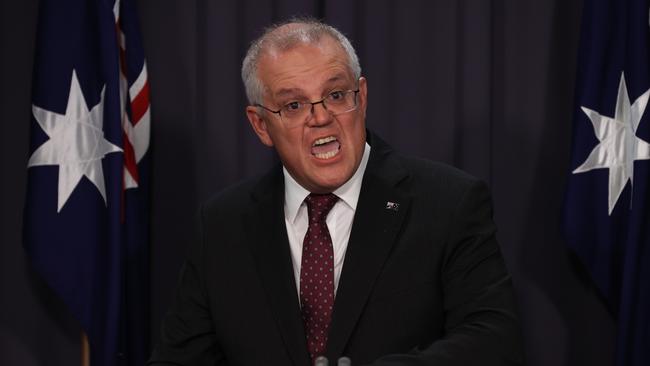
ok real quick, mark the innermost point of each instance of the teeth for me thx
(327, 155)
(324, 140)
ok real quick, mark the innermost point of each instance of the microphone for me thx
(344, 361)
(322, 361)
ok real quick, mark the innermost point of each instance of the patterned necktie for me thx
(317, 274)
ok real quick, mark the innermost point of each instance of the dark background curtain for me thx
(485, 85)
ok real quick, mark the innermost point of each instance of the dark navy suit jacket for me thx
(423, 282)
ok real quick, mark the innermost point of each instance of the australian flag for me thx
(607, 210)
(86, 214)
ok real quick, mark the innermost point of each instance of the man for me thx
(348, 249)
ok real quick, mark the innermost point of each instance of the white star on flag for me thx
(619, 146)
(76, 143)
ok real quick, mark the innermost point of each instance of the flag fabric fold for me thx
(86, 225)
(607, 204)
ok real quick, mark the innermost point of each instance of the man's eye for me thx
(336, 95)
(292, 106)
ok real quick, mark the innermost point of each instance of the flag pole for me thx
(85, 350)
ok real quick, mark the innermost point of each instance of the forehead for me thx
(304, 66)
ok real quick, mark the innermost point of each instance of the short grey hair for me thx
(305, 31)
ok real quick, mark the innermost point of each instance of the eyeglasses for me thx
(336, 102)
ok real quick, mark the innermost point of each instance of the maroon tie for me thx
(317, 274)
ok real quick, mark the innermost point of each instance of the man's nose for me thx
(319, 114)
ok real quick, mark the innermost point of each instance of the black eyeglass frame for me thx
(322, 101)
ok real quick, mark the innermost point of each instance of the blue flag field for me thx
(86, 227)
(607, 207)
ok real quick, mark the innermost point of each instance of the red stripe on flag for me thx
(129, 158)
(140, 104)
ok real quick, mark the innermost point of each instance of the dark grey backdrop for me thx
(485, 85)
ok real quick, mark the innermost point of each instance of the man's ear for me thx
(363, 94)
(259, 124)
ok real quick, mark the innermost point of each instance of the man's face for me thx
(309, 73)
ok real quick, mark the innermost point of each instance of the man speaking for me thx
(347, 248)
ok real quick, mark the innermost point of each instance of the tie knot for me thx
(319, 205)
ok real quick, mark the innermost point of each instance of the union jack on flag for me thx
(86, 227)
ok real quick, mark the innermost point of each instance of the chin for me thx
(330, 185)
(326, 179)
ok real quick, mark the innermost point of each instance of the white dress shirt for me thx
(339, 219)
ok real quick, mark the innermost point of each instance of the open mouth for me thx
(326, 147)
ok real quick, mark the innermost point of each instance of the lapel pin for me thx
(394, 206)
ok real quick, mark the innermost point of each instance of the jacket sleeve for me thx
(187, 334)
(481, 325)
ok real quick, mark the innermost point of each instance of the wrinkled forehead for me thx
(304, 52)
(304, 65)
(326, 47)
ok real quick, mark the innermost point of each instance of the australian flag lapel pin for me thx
(393, 206)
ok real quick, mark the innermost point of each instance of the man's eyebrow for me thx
(288, 91)
(335, 78)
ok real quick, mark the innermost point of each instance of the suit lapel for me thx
(378, 218)
(270, 246)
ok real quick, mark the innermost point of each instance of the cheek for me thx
(287, 140)
(292, 151)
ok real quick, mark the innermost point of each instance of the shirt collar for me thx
(295, 194)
